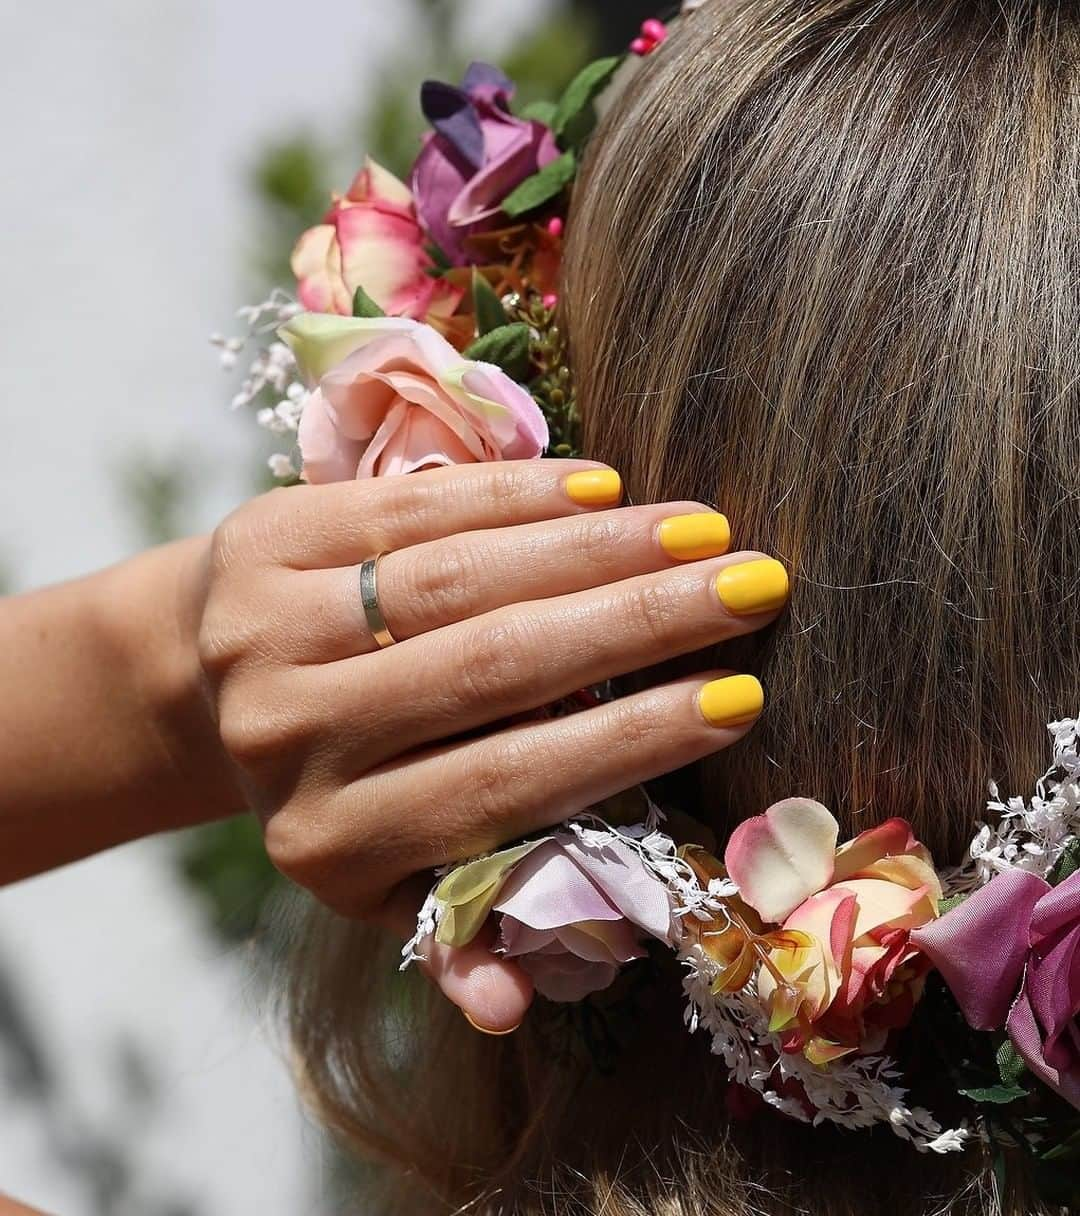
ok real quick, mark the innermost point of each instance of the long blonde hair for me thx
(824, 270)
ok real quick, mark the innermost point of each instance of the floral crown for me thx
(828, 978)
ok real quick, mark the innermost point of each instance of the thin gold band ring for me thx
(369, 597)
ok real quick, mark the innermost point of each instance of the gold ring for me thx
(369, 597)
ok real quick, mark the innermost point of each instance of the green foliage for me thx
(542, 187)
(158, 493)
(227, 866)
(291, 179)
(507, 347)
(364, 306)
(490, 314)
(1068, 863)
(1010, 1063)
(995, 1095)
(947, 905)
(575, 115)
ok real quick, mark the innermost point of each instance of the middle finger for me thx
(531, 655)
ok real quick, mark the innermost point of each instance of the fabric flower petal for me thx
(1026, 1035)
(547, 890)
(893, 838)
(619, 873)
(981, 947)
(781, 858)
(326, 456)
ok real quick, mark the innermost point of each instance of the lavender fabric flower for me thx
(476, 155)
(571, 912)
(1011, 957)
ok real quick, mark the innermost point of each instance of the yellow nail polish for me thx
(595, 488)
(751, 587)
(689, 538)
(484, 1030)
(732, 701)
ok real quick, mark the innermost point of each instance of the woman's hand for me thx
(507, 587)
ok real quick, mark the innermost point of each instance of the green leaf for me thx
(507, 347)
(490, 314)
(1068, 863)
(469, 893)
(996, 1095)
(575, 115)
(1010, 1063)
(947, 905)
(540, 111)
(438, 256)
(1064, 1150)
(542, 187)
(364, 306)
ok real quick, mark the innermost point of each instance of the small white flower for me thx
(282, 466)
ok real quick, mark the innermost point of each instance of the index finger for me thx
(343, 523)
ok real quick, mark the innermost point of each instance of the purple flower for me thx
(571, 911)
(477, 154)
(1011, 957)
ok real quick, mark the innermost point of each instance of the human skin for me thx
(237, 671)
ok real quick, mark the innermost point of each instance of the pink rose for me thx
(1011, 957)
(476, 156)
(846, 971)
(393, 396)
(370, 238)
(571, 913)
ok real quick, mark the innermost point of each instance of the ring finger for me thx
(428, 586)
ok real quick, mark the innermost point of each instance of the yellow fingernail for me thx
(689, 538)
(595, 488)
(732, 701)
(751, 587)
(484, 1029)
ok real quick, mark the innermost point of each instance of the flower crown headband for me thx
(826, 977)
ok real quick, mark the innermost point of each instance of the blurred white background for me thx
(128, 129)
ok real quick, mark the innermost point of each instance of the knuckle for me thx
(445, 582)
(494, 660)
(638, 727)
(295, 849)
(654, 611)
(598, 539)
(506, 489)
(258, 731)
(498, 784)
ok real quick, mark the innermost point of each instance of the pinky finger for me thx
(493, 993)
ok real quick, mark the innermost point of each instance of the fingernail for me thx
(595, 488)
(732, 701)
(688, 538)
(484, 1030)
(750, 587)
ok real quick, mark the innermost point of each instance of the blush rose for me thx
(392, 396)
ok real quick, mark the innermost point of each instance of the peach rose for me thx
(847, 972)
(393, 396)
(371, 238)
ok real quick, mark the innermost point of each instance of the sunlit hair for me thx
(823, 271)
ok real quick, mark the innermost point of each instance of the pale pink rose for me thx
(849, 973)
(393, 396)
(371, 238)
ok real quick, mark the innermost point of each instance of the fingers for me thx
(531, 655)
(494, 993)
(311, 527)
(429, 586)
(470, 798)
